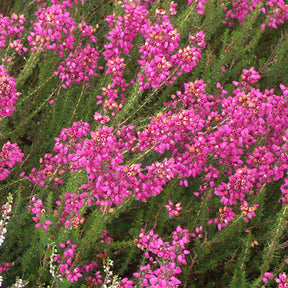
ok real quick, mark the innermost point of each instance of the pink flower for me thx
(268, 275)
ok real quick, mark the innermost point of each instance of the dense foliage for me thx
(144, 143)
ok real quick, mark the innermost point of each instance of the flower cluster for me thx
(53, 30)
(267, 275)
(173, 212)
(158, 62)
(52, 166)
(48, 169)
(198, 232)
(93, 280)
(249, 76)
(68, 3)
(71, 214)
(5, 213)
(187, 58)
(52, 265)
(276, 11)
(172, 9)
(239, 122)
(284, 190)
(282, 280)
(105, 238)
(8, 157)
(38, 210)
(11, 27)
(127, 138)
(99, 157)
(161, 277)
(239, 184)
(241, 8)
(100, 118)
(8, 93)
(78, 67)
(199, 4)
(226, 216)
(110, 279)
(87, 31)
(5, 267)
(161, 39)
(65, 262)
(20, 283)
(172, 256)
(248, 211)
(167, 130)
(123, 31)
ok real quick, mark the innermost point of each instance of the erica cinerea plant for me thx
(147, 146)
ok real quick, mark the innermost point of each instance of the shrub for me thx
(144, 144)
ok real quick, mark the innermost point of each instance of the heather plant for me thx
(144, 143)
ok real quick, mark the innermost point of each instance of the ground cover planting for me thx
(144, 143)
